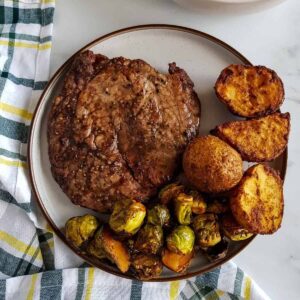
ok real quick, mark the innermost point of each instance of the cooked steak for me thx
(118, 129)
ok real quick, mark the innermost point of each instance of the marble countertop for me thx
(270, 37)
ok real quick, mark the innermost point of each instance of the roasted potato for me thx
(158, 215)
(250, 91)
(181, 240)
(176, 262)
(146, 267)
(257, 202)
(207, 231)
(170, 192)
(183, 208)
(233, 230)
(127, 216)
(149, 239)
(81, 229)
(211, 165)
(258, 140)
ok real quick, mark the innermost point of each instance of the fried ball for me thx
(257, 202)
(250, 91)
(211, 165)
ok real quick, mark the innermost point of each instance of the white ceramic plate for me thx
(202, 56)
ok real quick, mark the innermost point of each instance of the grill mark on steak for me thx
(118, 129)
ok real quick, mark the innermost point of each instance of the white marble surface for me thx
(270, 37)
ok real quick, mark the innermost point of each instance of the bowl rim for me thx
(93, 262)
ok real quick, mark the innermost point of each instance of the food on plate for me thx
(127, 216)
(250, 91)
(233, 230)
(218, 251)
(149, 239)
(218, 206)
(257, 202)
(183, 204)
(118, 128)
(158, 215)
(261, 139)
(146, 266)
(211, 165)
(175, 261)
(199, 205)
(207, 231)
(170, 192)
(181, 240)
(104, 245)
(80, 229)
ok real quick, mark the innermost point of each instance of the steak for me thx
(118, 129)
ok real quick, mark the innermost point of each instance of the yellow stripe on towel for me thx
(24, 114)
(174, 288)
(39, 47)
(13, 163)
(32, 286)
(247, 289)
(90, 282)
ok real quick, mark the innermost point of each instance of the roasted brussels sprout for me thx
(218, 206)
(170, 192)
(181, 240)
(218, 251)
(127, 216)
(80, 229)
(233, 230)
(199, 204)
(146, 267)
(158, 215)
(104, 245)
(176, 262)
(149, 239)
(207, 230)
(183, 208)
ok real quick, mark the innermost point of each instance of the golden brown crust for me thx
(250, 91)
(257, 140)
(257, 202)
(211, 165)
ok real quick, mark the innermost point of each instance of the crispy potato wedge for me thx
(257, 202)
(250, 91)
(211, 165)
(257, 140)
(176, 262)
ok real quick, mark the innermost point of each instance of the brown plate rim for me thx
(48, 87)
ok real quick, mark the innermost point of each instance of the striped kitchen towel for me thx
(34, 263)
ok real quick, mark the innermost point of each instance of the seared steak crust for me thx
(118, 129)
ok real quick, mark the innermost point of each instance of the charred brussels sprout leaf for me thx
(181, 240)
(149, 239)
(183, 208)
(199, 204)
(127, 216)
(218, 251)
(207, 230)
(158, 215)
(146, 266)
(233, 230)
(170, 192)
(80, 229)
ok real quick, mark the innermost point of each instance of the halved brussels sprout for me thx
(233, 230)
(175, 261)
(199, 204)
(80, 229)
(146, 267)
(218, 251)
(149, 239)
(183, 208)
(158, 215)
(127, 216)
(181, 240)
(207, 230)
(104, 245)
(170, 192)
(218, 206)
